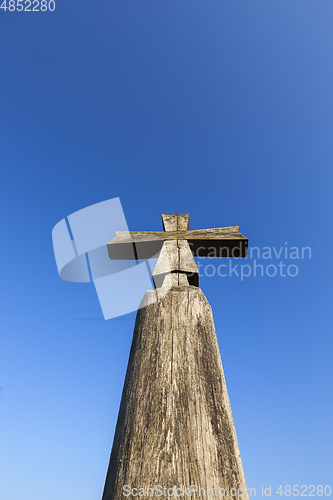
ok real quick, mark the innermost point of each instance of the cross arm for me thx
(218, 242)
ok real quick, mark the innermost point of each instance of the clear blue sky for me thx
(219, 108)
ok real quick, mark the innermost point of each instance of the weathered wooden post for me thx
(175, 427)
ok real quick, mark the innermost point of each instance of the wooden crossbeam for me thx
(177, 245)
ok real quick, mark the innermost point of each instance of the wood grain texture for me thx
(175, 425)
(145, 245)
(175, 256)
(186, 261)
(176, 222)
(194, 234)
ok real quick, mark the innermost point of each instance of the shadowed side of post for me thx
(175, 425)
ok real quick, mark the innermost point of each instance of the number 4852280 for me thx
(304, 491)
(27, 5)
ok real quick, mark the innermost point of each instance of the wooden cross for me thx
(176, 247)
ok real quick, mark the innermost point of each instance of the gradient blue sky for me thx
(219, 108)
